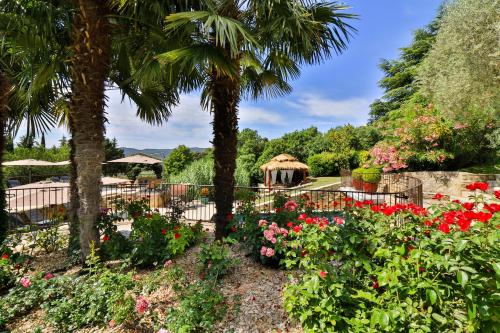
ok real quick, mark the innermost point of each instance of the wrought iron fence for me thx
(28, 205)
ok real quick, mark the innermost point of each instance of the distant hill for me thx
(158, 153)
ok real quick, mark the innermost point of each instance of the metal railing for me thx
(37, 205)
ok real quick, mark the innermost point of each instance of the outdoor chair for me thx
(55, 179)
(13, 182)
(64, 179)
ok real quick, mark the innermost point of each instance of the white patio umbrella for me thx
(137, 159)
(30, 163)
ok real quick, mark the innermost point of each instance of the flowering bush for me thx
(399, 268)
(264, 234)
(153, 239)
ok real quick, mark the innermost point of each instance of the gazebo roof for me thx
(284, 162)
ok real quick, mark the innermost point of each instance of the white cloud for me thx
(355, 110)
(254, 115)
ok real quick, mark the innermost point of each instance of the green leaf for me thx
(462, 278)
(439, 318)
(431, 296)
(496, 267)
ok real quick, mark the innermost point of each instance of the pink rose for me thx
(141, 304)
(262, 223)
(269, 252)
(273, 240)
(25, 282)
(263, 251)
(338, 220)
(290, 205)
(167, 263)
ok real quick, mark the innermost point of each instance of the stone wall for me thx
(451, 183)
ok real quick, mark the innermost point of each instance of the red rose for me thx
(302, 217)
(375, 284)
(358, 204)
(229, 216)
(105, 238)
(297, 228)
(492, 208)
(428, 223)
(322, 274)
(309, 220)
(482, 186)
(177, 235)
(483, 217)
(497, 194)
(289, 224)
(437, 196)
(444, 227)
(233, 229)
(163, 231)
(5, 256)
(468, 205)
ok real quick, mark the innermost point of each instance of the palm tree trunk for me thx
(90, 68)
(4, 92)
(225, 98)
(74, 226)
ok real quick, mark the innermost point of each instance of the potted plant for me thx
(357, 178)
(371, 179)
(204, 195)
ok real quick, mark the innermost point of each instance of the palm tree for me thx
(104, 56)
(69, 91)
(248, 48)
(27, 86)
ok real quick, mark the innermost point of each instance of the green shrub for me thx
(214, 260)
(358, 173)
(398, 268)
(328, 164)
(201, 306)
(21, 300)
(154, 238)
(372, 175)
(95, 299)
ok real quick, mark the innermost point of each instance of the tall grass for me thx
(201, 172)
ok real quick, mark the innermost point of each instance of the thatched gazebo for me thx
(290, 169)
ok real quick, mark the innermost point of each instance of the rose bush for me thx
(154, 237)
(398, 268)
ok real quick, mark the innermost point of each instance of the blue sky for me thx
(336, 92)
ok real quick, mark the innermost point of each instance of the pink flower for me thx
(269, 234)
(167, 263)
(322, 274)
(48, 276)
(273, 240)
(290, 205)
(162, 330)
(338, 220)
(112, 323)
(141, 304)
(269, 252)
(263, 251)
(25, 282)
(262, 223)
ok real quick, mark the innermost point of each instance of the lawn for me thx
(320, 182)
(484, 169)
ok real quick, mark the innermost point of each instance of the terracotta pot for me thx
(370, 187)
(357, 184)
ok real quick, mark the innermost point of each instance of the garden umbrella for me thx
(29, 163)
(137, 159)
